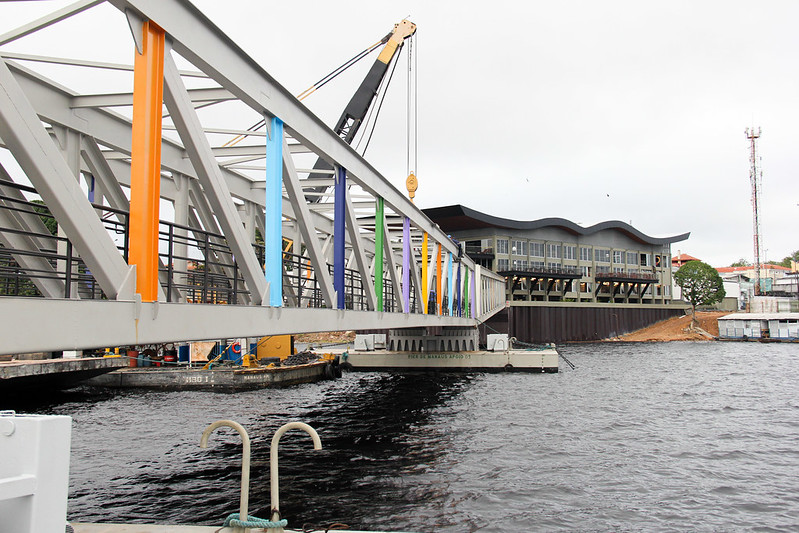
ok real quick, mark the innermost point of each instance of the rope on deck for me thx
(252, 521)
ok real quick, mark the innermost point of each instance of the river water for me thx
(656, 437)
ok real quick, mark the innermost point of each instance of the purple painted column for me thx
(406, 264)
(471, 296)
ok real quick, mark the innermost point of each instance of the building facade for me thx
(556, 260)
(565, 282)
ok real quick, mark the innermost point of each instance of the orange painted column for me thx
(145, 166)
(438, 281)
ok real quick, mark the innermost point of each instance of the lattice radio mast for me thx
(756, 179)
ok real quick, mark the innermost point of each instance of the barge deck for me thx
(218, 379)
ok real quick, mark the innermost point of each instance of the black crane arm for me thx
(355, 112)
(357, 108)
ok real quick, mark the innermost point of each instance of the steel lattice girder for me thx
(195, 38)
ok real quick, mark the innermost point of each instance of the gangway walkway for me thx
(247, 245)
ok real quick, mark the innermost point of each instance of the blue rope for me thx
(252, 521)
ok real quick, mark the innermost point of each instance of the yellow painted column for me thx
(424, 272)
(438, 281)
(145, 166)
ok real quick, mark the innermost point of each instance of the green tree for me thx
(741, 263)
(787, 261)
(701, 285)
(44, 213)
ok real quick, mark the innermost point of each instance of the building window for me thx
(502, 246)
(632, 258)
(585, 286)
(602, 256)
(618, 270)
(553, 266)
(569, 252)
(618, 256)
(537, 249)
(602, 269)
(502, 264)
(667, 290)
(553, 251)
(585, 271)
(536, 264)
(585, 254)
(632, 270)
(646, 260)
(520, 264)
(519, 248)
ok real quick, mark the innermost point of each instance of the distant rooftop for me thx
(681, 259)
(768, 266)
(454, 218)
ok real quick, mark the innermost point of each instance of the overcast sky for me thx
(590, 111)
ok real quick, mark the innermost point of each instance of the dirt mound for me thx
(676, 329)
(328, 336)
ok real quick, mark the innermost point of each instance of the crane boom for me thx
(353, 115)
(358, 106)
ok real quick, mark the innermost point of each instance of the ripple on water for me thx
(655, 437)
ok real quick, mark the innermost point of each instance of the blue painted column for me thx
(406, 264)
(340, 190)
(273, 213)
(450, 281)
(91, 189)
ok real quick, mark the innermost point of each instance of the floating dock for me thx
(446, 353)
(543, 360)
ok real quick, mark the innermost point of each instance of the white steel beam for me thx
(91, 323)
(216, 190)
(102, 172)
(417, 282)
(83, 63)
(309, 236)
(46, 278)
(47, 20)
(112, 130)
(358, 251)
(199, 41)
(392, 269)
(126, 99)
(29, 142)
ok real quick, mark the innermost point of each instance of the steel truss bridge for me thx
(128, 217)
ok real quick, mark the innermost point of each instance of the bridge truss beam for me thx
(66, 141)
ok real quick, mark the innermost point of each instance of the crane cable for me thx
(375, 110)
(319, 84)
(412, 111)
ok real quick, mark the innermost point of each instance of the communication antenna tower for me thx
(756, 179)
